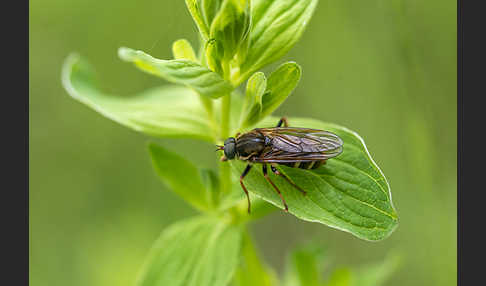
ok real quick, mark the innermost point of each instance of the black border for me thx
(14, 203)
(471, 119)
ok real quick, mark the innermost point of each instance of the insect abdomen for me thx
(305, 165)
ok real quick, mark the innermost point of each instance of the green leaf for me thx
(194, 8)
(210, 9)
(230, 28)
(304, 266)
(188, 73)
(212, 185)
(252, 106)
(280, 85)
(181, 176)
(252, 271)
(276, 27)
(201, 251)
(349, 192)
(182, 49)
(169, 111)
(213, 59)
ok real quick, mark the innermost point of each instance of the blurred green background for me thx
(386, 69)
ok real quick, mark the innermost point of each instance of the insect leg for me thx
(277, 172)
(284, 121)
(245, 172)
(265, 174)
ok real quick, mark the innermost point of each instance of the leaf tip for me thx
(67, 66)
(126, 54)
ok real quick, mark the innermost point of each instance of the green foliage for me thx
(201, 251)
(378, 273)
(167, 111)
(252, 271)
(341, 277)
(280, 84)
(194, 8)
(210, 9)
(181, 176)
(182, 49)
(349, 193)
(276, 27)
(230, 28)
(252, 106)
(186, 72)
(264, 96)
(304, 266)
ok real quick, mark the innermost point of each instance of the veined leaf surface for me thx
(201, 251)
(349, 192)
(181, 71)
(168, 111)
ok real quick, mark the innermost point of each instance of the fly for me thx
(295, 147)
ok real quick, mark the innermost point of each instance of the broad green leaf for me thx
(188, 73)
(304, 266)
(252, 106)
(194, 8)
(181, 176)
(182, 49)
(280, 84)
(201, 251)
(169, 111)
(276, 27)
(230, 27)
(349, 192)
(252, 270)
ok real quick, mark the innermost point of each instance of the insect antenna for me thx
(219, 147)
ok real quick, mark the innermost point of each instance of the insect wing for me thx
(300, 144)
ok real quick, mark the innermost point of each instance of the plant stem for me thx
(225, 171)
(208, 106)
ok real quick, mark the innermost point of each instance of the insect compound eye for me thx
(229, 148)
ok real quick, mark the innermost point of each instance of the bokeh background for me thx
(384, 68)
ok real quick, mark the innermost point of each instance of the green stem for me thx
(225, 171)
(208, 106)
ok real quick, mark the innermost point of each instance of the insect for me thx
(295, 147)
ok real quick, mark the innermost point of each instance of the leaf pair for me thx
(224, 26)
(276, 27)
(264, 96)
(258, 34)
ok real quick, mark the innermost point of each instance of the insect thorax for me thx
(248, 144)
